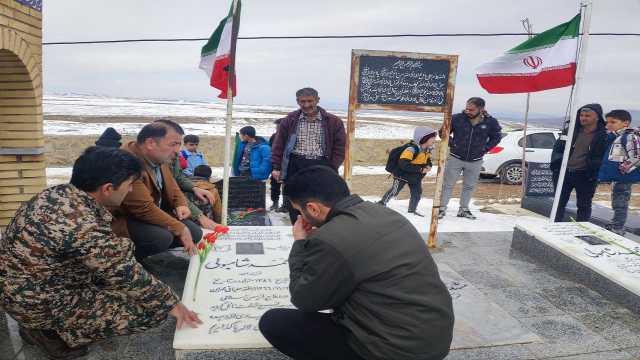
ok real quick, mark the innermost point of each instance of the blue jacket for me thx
(469, 142)
(609, 170)
(193, 161)
(259, 160)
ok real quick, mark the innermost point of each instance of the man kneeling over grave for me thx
(371, 267)
(66, 278)
(155, 214)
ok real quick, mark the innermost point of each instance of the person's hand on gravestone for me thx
(182, 212)
(187, 242)
(184, 316)
(204, 195)
(206, 223)
(301, 229)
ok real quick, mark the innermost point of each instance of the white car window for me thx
(543, 140)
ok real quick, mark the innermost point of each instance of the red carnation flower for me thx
(201, 245)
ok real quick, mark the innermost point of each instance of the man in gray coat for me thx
(368, 265)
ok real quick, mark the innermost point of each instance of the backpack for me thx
(394, 156)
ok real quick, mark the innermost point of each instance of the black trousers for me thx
(585, 188)
(414, 188)
(153, 239)
(308, 336)
(297, 163)
(275, 190)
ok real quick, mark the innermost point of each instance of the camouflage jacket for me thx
(59, 245)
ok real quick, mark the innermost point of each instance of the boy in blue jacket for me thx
(190, 157)
(253, 155)
(619, 165)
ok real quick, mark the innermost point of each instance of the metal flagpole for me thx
(227, 133)
(529, 29)
(585, 8)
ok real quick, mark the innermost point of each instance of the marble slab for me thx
(600, 259)
(244, 276)
(249, 274)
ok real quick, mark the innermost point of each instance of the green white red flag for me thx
(219, 54)
(546, 61)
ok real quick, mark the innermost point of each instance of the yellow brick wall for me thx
(21, 176)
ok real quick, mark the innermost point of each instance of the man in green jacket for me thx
(368, 265)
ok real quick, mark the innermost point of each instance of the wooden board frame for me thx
(354, 106)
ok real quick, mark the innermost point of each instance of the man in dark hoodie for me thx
(370, 266)
(588, 146)
(473, 133)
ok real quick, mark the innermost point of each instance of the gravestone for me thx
(539, 180)
(392, 80)
(604, 261)
(245, 193)
(248, 274)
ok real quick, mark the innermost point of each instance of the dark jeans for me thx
(302, 335)
(585, 188)
(396, 187)
(275, 190)
(620, 195)
(297, 163)
(153, 239)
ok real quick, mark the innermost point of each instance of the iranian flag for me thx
(219, 54)
(546, 61)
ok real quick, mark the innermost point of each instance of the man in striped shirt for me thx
(307, 137)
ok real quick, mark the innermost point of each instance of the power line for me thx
(310, 37)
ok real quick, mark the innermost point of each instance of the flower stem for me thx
(195, 287)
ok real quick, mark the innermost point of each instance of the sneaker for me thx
(465, 213)
(51, 344)
(274, 207)
(441, 214)
(415, 213)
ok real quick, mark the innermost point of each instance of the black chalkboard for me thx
(391, 80)
(539, 180)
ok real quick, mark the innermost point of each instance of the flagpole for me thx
(227, 135)
(529, 29)
(585, 8)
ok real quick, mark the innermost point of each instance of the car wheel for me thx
(511, 174)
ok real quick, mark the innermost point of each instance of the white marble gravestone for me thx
(244, 276)
(609, 255)
(248, 274)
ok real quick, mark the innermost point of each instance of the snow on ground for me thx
(57, 175)
(371, 125)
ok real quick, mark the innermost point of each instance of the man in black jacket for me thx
(588, 146)
(368, 265)
(473, 133)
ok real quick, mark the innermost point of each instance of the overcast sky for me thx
(269, 71)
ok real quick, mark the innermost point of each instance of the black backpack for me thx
(394, 156)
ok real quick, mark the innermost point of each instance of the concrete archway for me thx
(22, 162)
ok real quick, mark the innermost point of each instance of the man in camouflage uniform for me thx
(66, 278)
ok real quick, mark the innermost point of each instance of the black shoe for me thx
(619, 231)
(51, 344)
(465, 213)
(415, 213)
(283, 209)
(441, 214)
(274, 207)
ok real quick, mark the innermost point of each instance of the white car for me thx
(505, 160)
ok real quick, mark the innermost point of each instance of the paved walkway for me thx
(574, 322)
